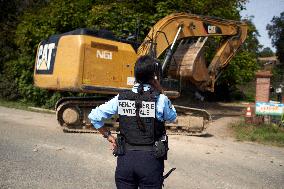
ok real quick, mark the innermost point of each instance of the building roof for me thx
(267, 59)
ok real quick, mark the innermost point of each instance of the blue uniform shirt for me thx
(165, 111)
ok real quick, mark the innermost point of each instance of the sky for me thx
(263, 12)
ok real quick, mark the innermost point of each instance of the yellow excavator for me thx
(91, 61)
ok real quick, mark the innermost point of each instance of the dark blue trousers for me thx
(139, 169)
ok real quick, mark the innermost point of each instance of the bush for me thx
(8, 88)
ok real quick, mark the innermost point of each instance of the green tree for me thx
(127, 14)
(242, 67)
(38, 23)
(9, 51)
(276, 33)
(266, 52)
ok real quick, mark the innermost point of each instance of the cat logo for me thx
(211, 29)
(44, 56)
(104, 54)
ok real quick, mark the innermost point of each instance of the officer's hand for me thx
(111, 139)
(156, 84)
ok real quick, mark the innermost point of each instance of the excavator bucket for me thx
(188, 62)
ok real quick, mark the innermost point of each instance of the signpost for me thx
(267, 108)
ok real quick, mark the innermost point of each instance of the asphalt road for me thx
(35, 153)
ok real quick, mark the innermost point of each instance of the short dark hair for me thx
(144, 70)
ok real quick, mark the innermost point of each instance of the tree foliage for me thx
(266, 52)
(243, 66)
(276, 33)
(36, 20)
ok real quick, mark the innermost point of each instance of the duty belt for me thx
(139, 147)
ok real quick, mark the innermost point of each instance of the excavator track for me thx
(72, 116)
(72, 112)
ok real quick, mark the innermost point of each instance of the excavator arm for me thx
(175, 29)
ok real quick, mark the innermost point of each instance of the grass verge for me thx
(24, 106)
(15, 104)
(265, 133)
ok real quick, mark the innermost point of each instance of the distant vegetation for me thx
(276, 33)
(266, 52)
(25, 23)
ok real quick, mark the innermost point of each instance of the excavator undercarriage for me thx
(72, 115)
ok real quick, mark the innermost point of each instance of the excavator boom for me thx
(181, 26)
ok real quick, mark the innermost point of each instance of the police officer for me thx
(142, 113)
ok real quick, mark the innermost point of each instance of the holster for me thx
(161, 148)
(120, 146)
